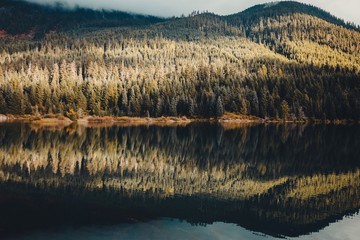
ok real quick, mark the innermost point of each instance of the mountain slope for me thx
(284, 8)
(287, 27)
(289, 66)
(19, 17)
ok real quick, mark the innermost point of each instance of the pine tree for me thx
(173, 107)
(285, 110)
(219, 109)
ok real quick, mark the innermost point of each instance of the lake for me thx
(200, 181)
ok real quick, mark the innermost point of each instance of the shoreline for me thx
(228, 120)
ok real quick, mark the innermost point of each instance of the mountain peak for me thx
(21, 19)
(272, 9)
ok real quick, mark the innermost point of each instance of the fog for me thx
(347, 10)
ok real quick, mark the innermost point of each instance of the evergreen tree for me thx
(285, 110)
(219, 107)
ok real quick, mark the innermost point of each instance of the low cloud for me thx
(167, 8)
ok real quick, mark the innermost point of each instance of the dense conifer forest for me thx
(281, 60)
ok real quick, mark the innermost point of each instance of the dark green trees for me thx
(219, 109)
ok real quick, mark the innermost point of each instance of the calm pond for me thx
(200, 181)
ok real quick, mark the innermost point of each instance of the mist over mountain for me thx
(21, 17)
(166, 8)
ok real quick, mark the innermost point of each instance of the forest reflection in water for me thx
(276, 179)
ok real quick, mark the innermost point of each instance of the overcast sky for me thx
(345, 9)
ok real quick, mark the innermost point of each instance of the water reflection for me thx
(179, 230)
(277, 179)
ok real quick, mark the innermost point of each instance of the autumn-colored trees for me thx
(288, 66)
(241, 77)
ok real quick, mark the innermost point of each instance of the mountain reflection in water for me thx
(281, 180)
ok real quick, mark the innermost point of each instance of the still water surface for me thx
(200, 181)
(348, 228)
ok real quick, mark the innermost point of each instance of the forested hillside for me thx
(285, 60)
(20, 17)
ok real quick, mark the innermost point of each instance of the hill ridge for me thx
(291, 7)
(21, 17)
